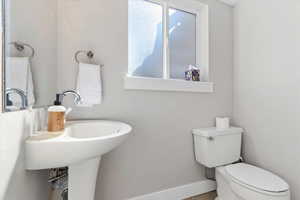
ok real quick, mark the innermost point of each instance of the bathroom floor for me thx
(207, 196)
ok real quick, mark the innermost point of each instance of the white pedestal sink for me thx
(79, 147)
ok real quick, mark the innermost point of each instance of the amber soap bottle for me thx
(56, 116)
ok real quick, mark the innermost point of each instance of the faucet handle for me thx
(77, 99)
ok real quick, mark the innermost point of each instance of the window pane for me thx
(182, 42)
(145, 39)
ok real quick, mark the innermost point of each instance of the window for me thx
(182, 42)
(145, 39)
(165, 37)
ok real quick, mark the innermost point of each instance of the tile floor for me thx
(208, 196)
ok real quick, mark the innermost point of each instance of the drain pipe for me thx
(210, 174)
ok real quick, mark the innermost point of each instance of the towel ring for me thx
(20, 46)
(89, 54)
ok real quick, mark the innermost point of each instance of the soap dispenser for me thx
(56, 116)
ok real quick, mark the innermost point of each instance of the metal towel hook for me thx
(89, 54)
(20, 46)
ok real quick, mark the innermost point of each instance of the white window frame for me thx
(202, 52)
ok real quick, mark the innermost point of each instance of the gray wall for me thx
(266, 85)
(159, 154)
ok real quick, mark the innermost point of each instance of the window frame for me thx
(201, 12)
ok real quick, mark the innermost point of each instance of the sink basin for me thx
(80, 147)
(81, 140)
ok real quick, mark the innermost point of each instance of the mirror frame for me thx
(2, 57)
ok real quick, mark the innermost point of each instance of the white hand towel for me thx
(89, 84)
(19, 76)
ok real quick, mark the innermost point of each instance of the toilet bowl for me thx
(219, 149)
(246, 182)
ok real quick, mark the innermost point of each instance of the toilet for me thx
(240, 181)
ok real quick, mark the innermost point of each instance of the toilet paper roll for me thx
(222, 123)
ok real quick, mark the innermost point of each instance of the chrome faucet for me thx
(77, 97)
(21, 93)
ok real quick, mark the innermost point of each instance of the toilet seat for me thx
(257, 179)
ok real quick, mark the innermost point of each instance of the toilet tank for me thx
(215, 148)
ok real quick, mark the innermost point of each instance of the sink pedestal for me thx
(80, 147)
(82, 179)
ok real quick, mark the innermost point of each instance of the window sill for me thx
(172, 85)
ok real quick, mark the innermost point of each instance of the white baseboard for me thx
(181, 192)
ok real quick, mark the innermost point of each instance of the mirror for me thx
(30, 54)
(1, 57)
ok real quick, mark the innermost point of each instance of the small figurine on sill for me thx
(192, 73)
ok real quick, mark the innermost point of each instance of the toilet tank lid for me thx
(213, 131)
(257, 178)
